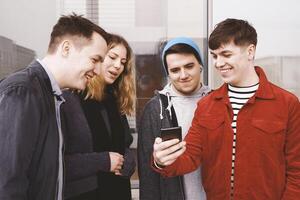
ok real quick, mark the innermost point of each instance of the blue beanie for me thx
(180, 40)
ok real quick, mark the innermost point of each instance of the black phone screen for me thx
(171, 133)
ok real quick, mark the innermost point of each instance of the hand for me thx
(165, 153)
(116, 162)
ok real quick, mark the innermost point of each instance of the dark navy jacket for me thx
(29, 138)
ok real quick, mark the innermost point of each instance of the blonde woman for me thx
(98, 159)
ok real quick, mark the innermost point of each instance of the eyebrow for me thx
(100, 58)
(115, 54)
(188, 64)
(226, 51)
(222, 52)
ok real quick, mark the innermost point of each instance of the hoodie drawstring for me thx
(168, 108)
(169, 104)
(160, 114)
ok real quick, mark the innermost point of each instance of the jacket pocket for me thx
(214, 128)
(268, 134)
(210, 122)
(268, 126)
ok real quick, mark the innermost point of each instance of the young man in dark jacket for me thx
(172, 106)
(31, 141)
(246, 134)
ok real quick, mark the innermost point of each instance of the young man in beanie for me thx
(31, 140)
(170, 107)
(246, 134)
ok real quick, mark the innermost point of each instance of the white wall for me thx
(277, 23)
(187, 18)
(28, 22)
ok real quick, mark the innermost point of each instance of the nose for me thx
(117, 64)
(219, 62)
(97, 69)
(183, 74)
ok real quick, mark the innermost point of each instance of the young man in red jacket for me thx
(246, 134)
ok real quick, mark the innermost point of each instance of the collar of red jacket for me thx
(264, 90)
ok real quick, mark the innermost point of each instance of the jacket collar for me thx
(38, 69)
(264, 90)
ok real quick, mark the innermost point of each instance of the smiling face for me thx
(235, 64)
(84, 62)
(184, 72)
(114, 63)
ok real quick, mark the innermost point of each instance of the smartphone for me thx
(171, 133)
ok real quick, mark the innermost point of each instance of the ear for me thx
(251, 51)
(65, 48)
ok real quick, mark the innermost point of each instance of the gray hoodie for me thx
(153, 118)
(185, 107)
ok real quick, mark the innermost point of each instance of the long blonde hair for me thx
(124, 85)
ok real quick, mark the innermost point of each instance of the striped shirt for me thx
(238, 97)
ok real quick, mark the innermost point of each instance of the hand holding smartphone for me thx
(171, 133)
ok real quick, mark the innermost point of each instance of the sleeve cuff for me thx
(158, 166)
(104, 161)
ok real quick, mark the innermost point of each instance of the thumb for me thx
(158, 140)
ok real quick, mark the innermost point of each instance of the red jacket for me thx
(267, 163)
